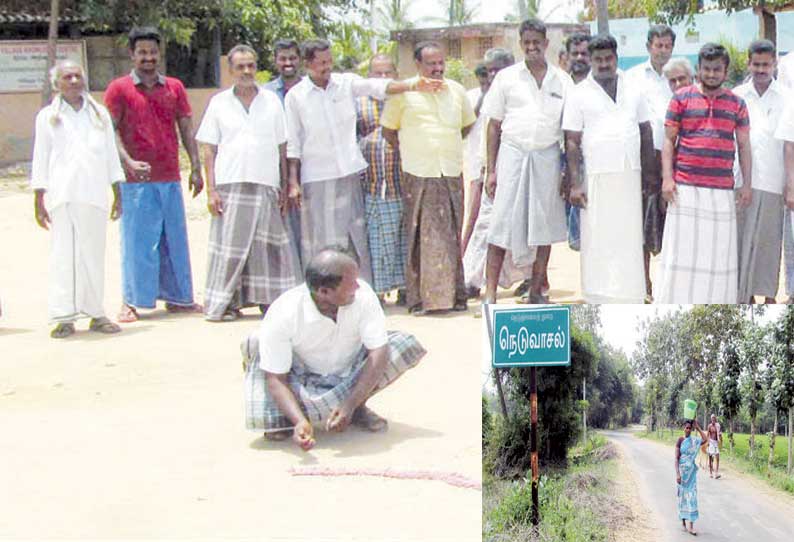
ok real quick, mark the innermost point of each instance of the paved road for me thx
(732, 509)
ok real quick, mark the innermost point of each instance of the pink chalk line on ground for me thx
(451, 478)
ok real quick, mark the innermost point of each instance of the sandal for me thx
(365, 418)
(522, 288)
(173, 308)
(61, 331)
(231, 315)
(278, 436)
(127, 314)
(417, 310)
(460, 306)
(103, 325)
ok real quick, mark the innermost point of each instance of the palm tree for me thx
(393, 15)
(525, 9)
(459, 12)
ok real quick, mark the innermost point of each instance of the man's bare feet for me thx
(365, 418)
(127, 314)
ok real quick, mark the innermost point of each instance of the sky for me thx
(551, 10)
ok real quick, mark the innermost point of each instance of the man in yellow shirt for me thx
(429, 129)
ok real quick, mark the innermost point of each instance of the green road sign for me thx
(531, 337)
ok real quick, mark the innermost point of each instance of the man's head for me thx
(578, 54)
(679, 73)
(713, 62)
(382, 67)
(429, 58)
(144, 44)
(287, 58)
(317, 60)
(481, 72)
(603, 50)
(68, 79)
(242, 65)
(762, 61)
(661, 40)
(713, 418)
(331, 276)
(496, 60)
(687, 427)
(532, 36)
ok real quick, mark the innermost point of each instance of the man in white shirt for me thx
(607, 119)
(760, 226)
(251, 259)
(524, 106)
(325, 162)
(321, 352)
(650, 79)
(75, 161)
(785, 133)
(785, 77)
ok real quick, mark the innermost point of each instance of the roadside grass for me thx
(739, 459)
(576, 503)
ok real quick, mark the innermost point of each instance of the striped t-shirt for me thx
(706, 126)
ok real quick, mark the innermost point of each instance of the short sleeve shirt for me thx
(706, 126)
(145, 119)
(293, 326)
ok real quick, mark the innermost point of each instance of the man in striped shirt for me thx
(699, 252)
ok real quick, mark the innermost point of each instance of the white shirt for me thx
(75, 158)
(785, 128)
(247, 141)
(293, 324)
(471, 151)
(766, 113)
(657, 92)
(531, 116)
(610, 129)
(321, 125)
(785, 70)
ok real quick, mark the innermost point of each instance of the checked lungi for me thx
(760, 228)
(155, 260)
(700, 248)
(332, 213)
(251, 258)
(386, 242)
(318, 395)
(433, 219)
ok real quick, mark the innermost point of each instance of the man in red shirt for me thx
(145, 105)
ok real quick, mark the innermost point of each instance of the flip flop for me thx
(460, 306)
(417, 310)
(103, 325)
(195, 307)
(231, 315)
(365, 418)
(61, 331)
(127, 315)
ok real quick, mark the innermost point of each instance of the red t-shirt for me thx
(146, 122)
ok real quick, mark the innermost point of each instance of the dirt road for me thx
(141, 435)
(732, 509)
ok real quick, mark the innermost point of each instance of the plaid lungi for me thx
(332, 213)
(760, 229)
(699, 248)
(318, 395)
(386, 242)
(251, 259)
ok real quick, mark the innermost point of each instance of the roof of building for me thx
(38, 12)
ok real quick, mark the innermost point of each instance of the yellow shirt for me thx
(429, 127)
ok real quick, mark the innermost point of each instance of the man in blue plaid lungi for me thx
(322, 351)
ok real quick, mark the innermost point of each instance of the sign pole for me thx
(533, 443)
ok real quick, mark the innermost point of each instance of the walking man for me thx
(607, 121)
(524, 106)
(714, 445)
(251, 261)
(429, 130)
(145, 105)
(700, 250)
(761, 224)
(75, 161)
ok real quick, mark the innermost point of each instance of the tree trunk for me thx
(790, 431)
(52, 45)
(602, 14)
(584, 408)
(730, 433)
(772, 435)
(752, 437)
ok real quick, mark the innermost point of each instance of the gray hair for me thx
(57, 70)
(325, 269)
(678, 62)
(241, 48)
(94, 108)
(499, 54)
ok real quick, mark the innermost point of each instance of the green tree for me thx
(525, 9)
(754, 349)
(618, 9)
(782, 376)
(392, 15)
(458, 12)
(730, 394)
(674, 11)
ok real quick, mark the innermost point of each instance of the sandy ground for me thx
(141, 435)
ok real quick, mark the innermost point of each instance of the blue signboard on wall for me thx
(531, 337)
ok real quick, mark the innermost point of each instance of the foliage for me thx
(393, 15)
(457, 71)
(525, 9)
(457, 12)
(674, 11)
(618, 9)
(737, 71)
(487, 423)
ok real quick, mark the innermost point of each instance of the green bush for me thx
(457, 71)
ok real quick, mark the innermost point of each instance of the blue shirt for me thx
(277, 86)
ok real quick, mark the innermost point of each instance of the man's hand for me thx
(214, 203)
(678, 479)
(141, 170)
(303, 435)
(668, 190)
(196, 183)
(41, 214)
(294, 195)
(744, 196)
(579, 196)
(429, 85)
(490, 184)
(340, 418)
(115, 210)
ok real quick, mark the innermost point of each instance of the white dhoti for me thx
(611, 239)
(77, 262)
(700, 248)
(527, 209)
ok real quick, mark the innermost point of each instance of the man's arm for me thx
(745, 193)
(573, 156)
(279, 390)
(493, 138)
(650, 175)
(465, 130)
(392, 137)
(372, 372)
(293, 182)
(677, 460)
(196, 183)
(788, 157)
(475, 197)
(214, 203)
(668, 151)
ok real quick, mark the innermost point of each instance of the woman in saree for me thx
(686, 451)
